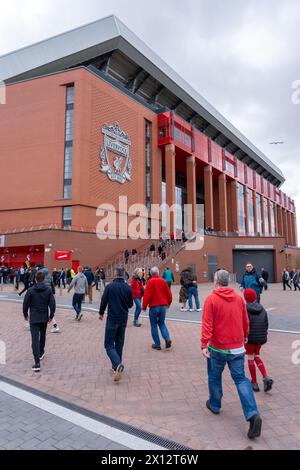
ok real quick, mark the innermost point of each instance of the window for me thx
(179, 206)
(68, 164)
(266, 216)
(259, 218)
(272, 211)
(164, 200)
(67, 218)
(251, 212)
(241, 208)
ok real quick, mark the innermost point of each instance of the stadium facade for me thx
(94, 114)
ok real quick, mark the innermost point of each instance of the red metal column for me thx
(191, 191)
(170, 186)
(223, 222)
(208, 197)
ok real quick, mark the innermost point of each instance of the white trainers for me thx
(55, 329)
(191, 310)
(183, 309)
(199, 309)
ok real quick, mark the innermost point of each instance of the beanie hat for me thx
(250, 296)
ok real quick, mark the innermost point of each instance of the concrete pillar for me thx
(285, 225)
(191, 190)
(208, 197)
(255, 213)
(289, 228)
(295, 230)
(223, 216)
(234, 206)
(279, 220)
(170, 186)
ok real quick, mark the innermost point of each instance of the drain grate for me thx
(134, 431)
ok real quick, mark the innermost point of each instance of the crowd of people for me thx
(232, 326)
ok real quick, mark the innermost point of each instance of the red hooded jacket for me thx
(137, 287)
(225, 322)
(157, 293)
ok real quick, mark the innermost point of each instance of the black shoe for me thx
(255, 427)
(168, 344)
(158, 348)
(137, 324)
(210, 409)
(36, 368)
(42, 356)
(268, 384)
(255, 387)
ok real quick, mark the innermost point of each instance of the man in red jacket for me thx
(158, 296)
(225, 328)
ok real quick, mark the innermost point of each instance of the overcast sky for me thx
(242, 56)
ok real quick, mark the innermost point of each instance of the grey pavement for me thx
(283, 307)
(25, 427)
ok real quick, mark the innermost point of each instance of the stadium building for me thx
(94, 114)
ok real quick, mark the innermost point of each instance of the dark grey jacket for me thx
(258, 328)
(40, 301)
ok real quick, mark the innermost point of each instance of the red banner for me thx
(63, 255)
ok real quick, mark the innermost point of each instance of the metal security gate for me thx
(212, 266)
(259, 259)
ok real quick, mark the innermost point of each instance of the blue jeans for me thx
(114, 341)
(215, 367)
(76, 303)
(193, 292)
(157, 317)
(138, 309)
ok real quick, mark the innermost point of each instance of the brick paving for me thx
(25, 427)
(163, 392)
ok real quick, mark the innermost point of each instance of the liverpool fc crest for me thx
(115, 157)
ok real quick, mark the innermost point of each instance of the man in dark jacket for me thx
(39, 300)
(90, 279)
(258, 333)
(118, 297)
(265, 276)
(252, 280)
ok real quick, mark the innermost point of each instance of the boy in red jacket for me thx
(158, 296)
(225, 328)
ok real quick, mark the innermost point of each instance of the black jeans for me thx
(286, 283)
(114, 341)
(38, 337)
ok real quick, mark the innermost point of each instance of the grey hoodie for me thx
(80, 284)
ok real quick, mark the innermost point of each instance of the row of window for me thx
(68, 164)
(269, 223)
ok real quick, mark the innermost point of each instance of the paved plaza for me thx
(162, 392)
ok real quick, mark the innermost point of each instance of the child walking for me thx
(258, 332)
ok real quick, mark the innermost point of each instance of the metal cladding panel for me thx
(258, 183)
(240, 171)
(216, 156)
(272, 191)
(250, 175)
(201, 146)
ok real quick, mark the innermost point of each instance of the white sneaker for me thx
(55, 329)
(199, 309)
(183, 309)
(191, 310)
